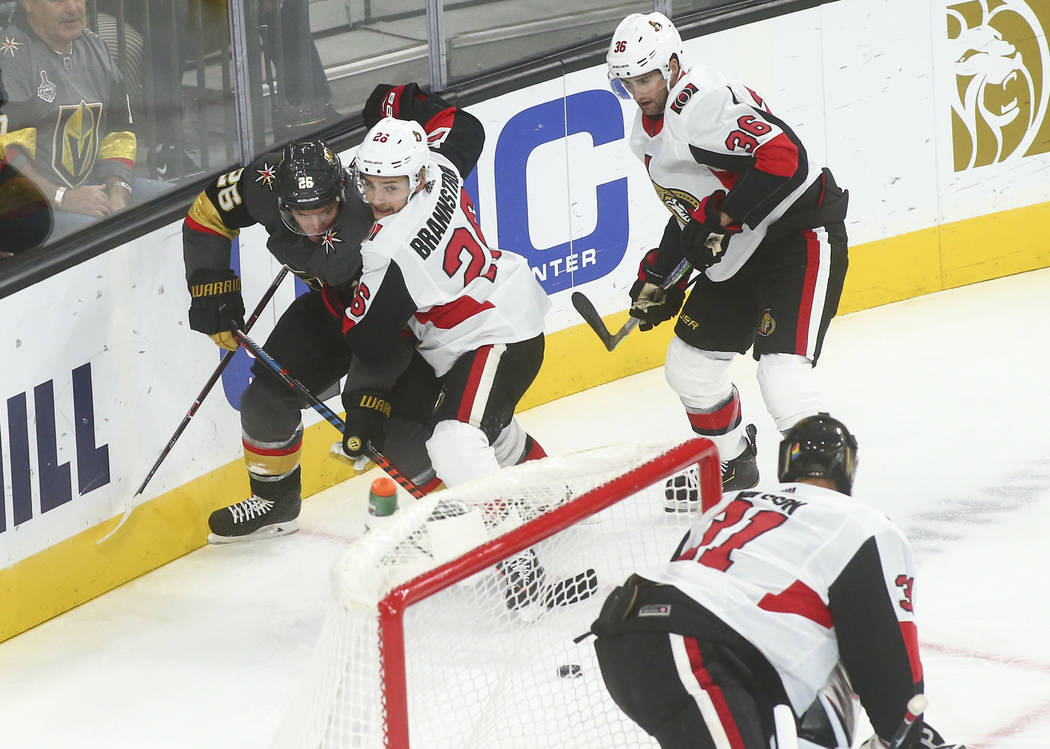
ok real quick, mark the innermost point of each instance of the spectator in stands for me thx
(25, 213)
(69, 123)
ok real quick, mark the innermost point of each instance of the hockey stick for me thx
(330, 416)
(223, 363)
(590, 315)
(916, 707)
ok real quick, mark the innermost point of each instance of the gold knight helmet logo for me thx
(1002, 82)
(76, 141)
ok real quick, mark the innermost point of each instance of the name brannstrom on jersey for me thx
(428, 237)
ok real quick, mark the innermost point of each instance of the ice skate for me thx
(254, 518)
(682, 492)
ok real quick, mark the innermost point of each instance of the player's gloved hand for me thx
(704, 239)
(216, 306)
(649, 303)
(366, 415)
(387, 100)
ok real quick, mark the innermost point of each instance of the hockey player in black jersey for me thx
(754, 215)
(776, 596)
(315, 223)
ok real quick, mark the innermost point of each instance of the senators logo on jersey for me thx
(679, 202)
(768, 324)
(76, 141)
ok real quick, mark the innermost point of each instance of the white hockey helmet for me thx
(393, 148)
(640, 44)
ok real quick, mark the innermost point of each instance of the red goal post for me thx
(428, 645)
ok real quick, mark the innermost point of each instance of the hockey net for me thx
(454, 623)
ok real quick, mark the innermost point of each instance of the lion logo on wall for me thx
(1002, 82)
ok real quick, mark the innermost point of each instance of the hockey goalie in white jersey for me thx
(477, 313)
(776, 596)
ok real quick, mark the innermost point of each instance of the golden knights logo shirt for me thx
(68, 114)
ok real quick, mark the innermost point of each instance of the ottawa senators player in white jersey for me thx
(773, 594)
(477, 313)
(760, 222)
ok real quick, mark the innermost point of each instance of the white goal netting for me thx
(495, 579)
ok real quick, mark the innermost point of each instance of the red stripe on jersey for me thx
(197, 226)
(798, 598)
(652, 125)
(448, 316)
(778, 157)
(910, 635)
(717, 422)
(471, 213)
(809, 285)
(470, 391)
(718, 699)
(273, 451)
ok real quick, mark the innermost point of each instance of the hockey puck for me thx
(570, 671)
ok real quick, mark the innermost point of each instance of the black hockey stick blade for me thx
(590, 316)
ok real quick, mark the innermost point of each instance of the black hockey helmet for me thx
(309, 176)
(819, 447)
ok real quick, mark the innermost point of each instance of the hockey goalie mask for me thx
(309, 178)
(640, 44)
(393, 148)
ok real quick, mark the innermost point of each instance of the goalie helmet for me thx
(309, 176)
(819, 447)
(640, 44)
(393, 148)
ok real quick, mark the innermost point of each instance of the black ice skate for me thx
(682, 494)
(254, 518)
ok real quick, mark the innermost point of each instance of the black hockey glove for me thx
(649, 303)
(704, 239)
(366, 415)
(216, 307)
(402, 102)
